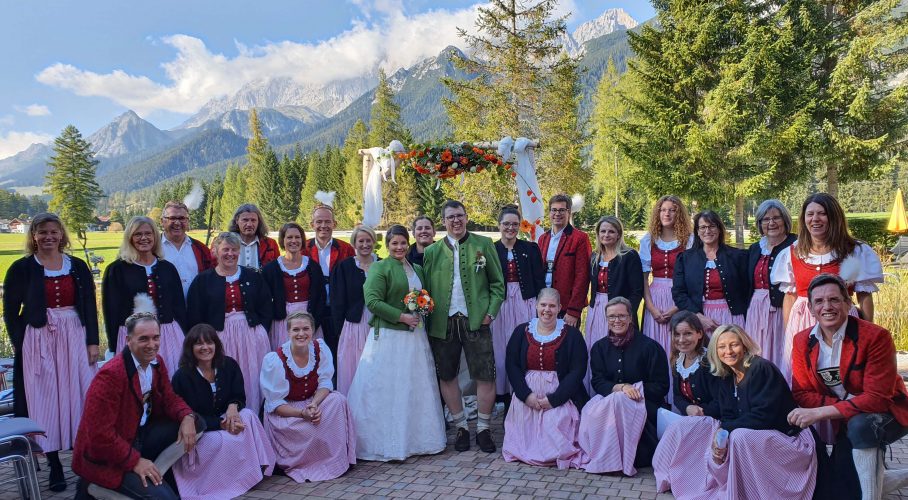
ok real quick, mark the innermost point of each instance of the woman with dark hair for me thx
(630, 379)
(711, 278)
(546, 361)
(759, 454)
(615, 271)
(141, 274)
(51, 317)
(394, 395)
(668, 234)
(308, 424)
(349, 305)
(235, 300)
(764, 315)
(824, 245)
(521, 264)
(295, 281)
(231, 458)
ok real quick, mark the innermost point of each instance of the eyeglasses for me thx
(614, 318)
(558, 210)
(510, 225)
(711, 227)
(668, 210)
(454, 217)
(770, 220)
(176, 219)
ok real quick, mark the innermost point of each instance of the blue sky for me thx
(84, 63)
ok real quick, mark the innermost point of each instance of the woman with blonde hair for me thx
(751, 451)
(615, 271)
(140, 275)
(668, 235)
(235, 300)
(51, 317)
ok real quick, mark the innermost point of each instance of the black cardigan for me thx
(529, 266)
(190, 385)
(24, 304)
(347, 300)
(123, 281)
(206, 301)
(776, 296)
(642, 360)
(701, 384)
(274, 278)
(625, 279)
(413, 256)
(570, 364)
(688, 284)
(763, 399)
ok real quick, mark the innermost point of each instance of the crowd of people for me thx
(726, 370)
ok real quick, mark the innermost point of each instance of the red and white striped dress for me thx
(764, 322)
(296, 296)
(55, 365)
(596, 322)
(514, 311)
(715, 306)
(610, 428)
(247, 345)
(658, 258)
(307, 451)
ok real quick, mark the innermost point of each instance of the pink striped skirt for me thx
(760, 464)
(349, 349)
(278, 334)
(610, 428)
(764, 325)
(514, 311)
(717, 310)
(799, 319)
(314, 452)
(171, 344)
(223, 465)
(56, 375)
(543, 438)
(248, 346)
(596, 328)
(661, 292)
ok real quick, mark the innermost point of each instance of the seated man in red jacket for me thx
(131, 415)
(844, 371)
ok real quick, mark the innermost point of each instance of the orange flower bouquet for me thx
(419, 302)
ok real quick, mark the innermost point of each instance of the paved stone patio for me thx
(472, 474)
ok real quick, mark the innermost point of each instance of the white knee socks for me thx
(869, 465)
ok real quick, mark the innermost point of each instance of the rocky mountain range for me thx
(134, 154)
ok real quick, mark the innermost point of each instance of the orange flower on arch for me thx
(447, 156)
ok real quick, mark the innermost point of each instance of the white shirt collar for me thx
(165, 241)
(836, 337)
(253, 242)
(327, 245)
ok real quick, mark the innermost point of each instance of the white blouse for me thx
(293, 272)
(63, 271)
(543, 339)
(234, 277)
(273, 380)
(646, 256)
(870, 268)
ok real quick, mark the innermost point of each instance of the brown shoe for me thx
(484, 440)
(462, 441)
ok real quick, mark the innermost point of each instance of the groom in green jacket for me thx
(465, 280)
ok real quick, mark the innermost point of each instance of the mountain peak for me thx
(608, 22)
(127, 133)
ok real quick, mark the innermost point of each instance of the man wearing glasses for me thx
(190, 256)
(464, 278)
(566, 259)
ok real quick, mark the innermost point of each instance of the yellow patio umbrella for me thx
(897, 220)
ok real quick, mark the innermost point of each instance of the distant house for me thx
(18, 226)
(101, 223)
(4, 226)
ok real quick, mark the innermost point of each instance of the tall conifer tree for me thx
(71, 182)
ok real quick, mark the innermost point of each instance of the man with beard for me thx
(258, 249)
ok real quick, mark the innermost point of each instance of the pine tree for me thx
(861, 118)
(71, 182)
(288, 200)
(512, 59)
(357, 138)
(314, 183)
(560, 166)
(263, 174)
(385, 125)
(234, 193)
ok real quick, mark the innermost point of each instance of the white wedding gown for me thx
(394, 395)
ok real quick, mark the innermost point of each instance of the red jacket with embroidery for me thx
(571, 276)
(868, 372)
(202, 254)
(103, 450)
(340, 250)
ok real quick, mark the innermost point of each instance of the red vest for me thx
(301, 388)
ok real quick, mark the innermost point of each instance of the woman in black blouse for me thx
(140, 273)
(212, 385)
(521, 266)
(630, 379)
(615, 271)
(711, 278)
(691, 377)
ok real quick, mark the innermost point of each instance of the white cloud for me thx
(389, 39)
(7, 120)
(13, 142)
(34, 110)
